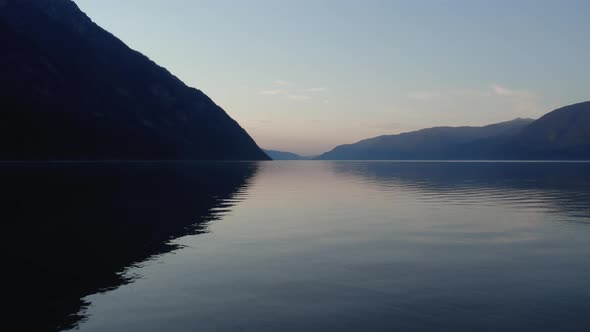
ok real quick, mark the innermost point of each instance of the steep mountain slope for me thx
(71, 90)
(431, 143)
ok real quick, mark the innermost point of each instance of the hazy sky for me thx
(305, 76)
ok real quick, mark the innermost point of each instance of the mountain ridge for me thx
(563, 133)
(417, 144)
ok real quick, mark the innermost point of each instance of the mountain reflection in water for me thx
(71, 229)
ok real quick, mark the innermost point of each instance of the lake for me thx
(299, 246)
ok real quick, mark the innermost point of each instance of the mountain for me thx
(431, 143)
(71, 90)
(562, 133)
(283, 155)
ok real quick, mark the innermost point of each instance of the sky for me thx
(307, 75)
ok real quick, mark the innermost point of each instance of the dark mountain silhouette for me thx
(431, 143)
(283, 155)
(71, 90)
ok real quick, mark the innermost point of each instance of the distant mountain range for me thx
(283, 155)
(71, 90)
(560, 134)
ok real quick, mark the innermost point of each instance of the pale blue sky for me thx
(305, 76)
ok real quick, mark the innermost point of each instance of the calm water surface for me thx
(373, 246)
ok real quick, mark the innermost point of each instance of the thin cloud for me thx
(289, 92)
(319, 89)
(526, 102)
(503, 91)
(523, 102)
(298, 97)
(493, 90)
(270, 92)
